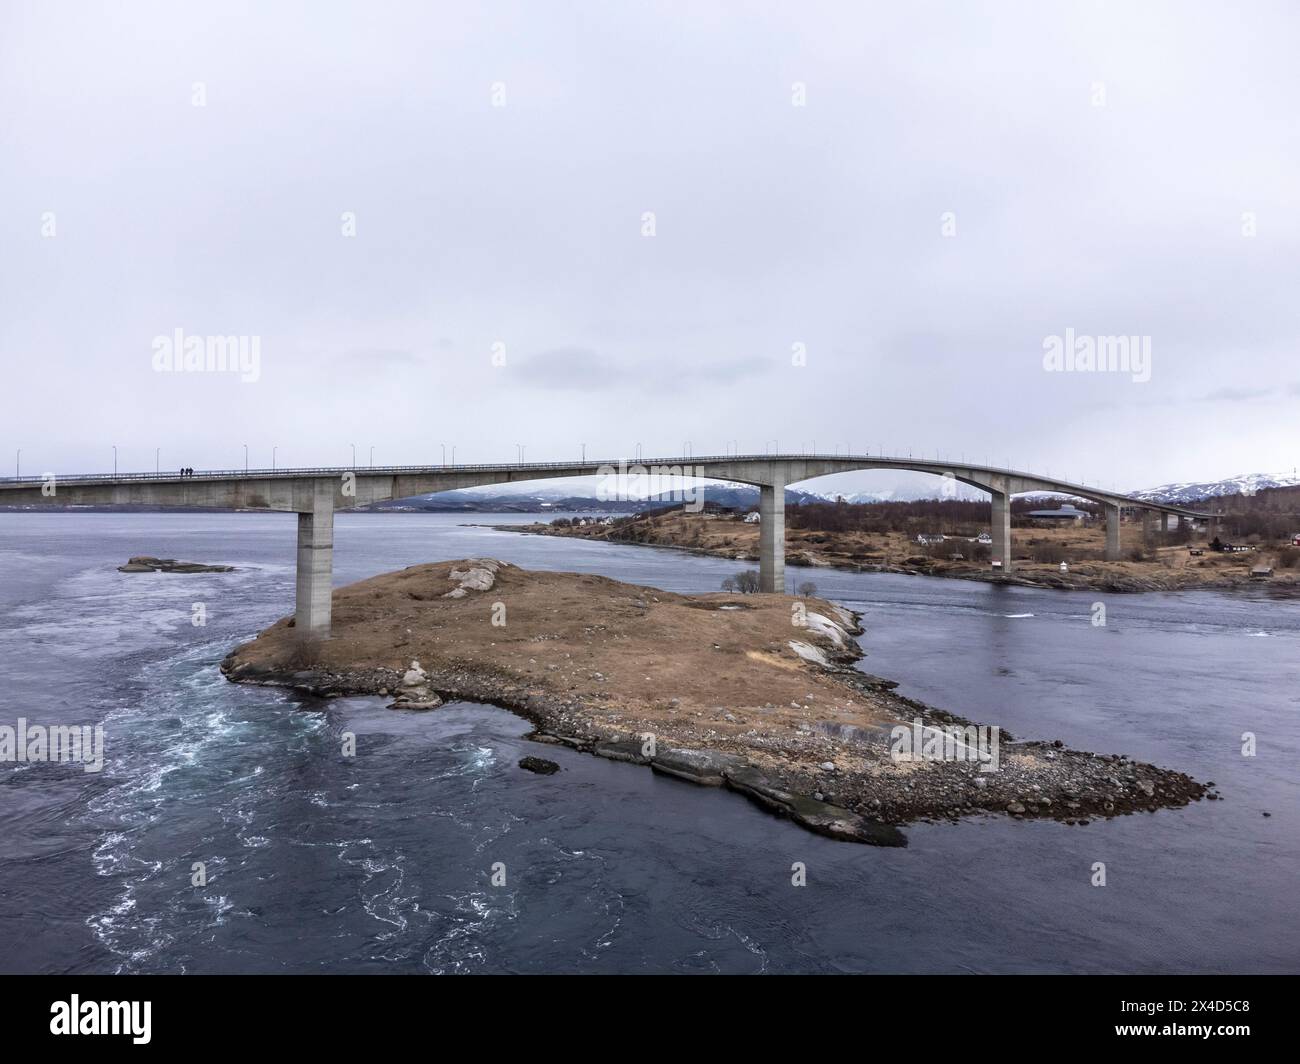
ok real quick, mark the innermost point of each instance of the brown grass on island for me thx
(755, 692)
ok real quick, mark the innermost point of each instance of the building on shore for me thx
(1065, 514)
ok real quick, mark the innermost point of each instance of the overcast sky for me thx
(919, 194)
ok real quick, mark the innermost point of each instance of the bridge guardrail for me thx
(226, 474)
(527, 467)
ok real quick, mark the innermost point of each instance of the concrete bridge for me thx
(315, 494)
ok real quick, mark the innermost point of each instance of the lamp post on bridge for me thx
(686, 449)
(18, 464)
(354, 455)
(444, 454)
(114, 461)
(372, 457)
(584, 453)
(157, 461)
(245, 458)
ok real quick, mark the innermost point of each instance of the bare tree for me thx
(807, 589)
(747, 582)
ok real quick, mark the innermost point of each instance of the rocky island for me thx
(757, 693)
(144, 563)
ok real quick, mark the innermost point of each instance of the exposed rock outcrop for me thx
(146, 564)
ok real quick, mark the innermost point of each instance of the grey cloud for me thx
(583, 369)
(380, 359)
(572, 368)
(775, 224)
(1239, 395)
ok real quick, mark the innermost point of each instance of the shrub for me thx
(1051, 553)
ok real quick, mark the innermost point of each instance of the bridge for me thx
(315, 494)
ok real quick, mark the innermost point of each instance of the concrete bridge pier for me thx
(316, 563)
(771, 538)
(1000, 529)
(1112, 532)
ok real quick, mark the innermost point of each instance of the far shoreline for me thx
(1081, 578)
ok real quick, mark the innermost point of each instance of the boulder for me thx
(629, 750)
(818, 816)
(432, 702)
(480, 576)
(705, 767)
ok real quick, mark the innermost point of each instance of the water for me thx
(317, 862)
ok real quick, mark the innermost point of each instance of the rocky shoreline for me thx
(826, 759)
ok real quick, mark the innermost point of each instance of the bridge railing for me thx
(459, 467)
(482, 467)
(588, 467)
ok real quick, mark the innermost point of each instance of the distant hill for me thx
(1243, 484)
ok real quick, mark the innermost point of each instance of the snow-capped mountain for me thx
(854, 496)
(1243, 484)
(908, 490)
(585, 490)
(645, 488)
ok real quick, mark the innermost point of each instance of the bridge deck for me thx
(702, 466)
